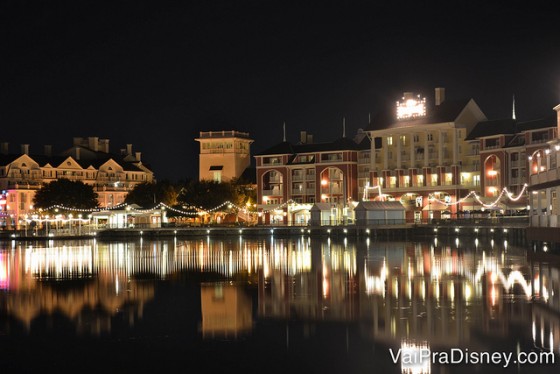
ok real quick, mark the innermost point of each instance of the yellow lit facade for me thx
(224, 155)
(88, 160)
(422, 158)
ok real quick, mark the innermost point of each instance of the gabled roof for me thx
(283, 148)
(448, 111)
(340, 144)
(537, 124)
(322, 207)
(493, 128)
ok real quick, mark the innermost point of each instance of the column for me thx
(440, 148)
(455, 146)
(412, 154)
(426, 163)
(398, 151)
(385, 153)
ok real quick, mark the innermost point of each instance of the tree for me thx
(147, 195)
(206, 194)
(71, 194)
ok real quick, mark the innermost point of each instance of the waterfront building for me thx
(509, 151)
(224, 155)
(544, 186)
(89, 160)
(420, 155)
(293, 177)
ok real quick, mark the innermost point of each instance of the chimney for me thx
(309, 139)
(93, 143)
(48, 150)
(129, 149)
(25, 149)
(4, 148)
(138, 156)
(303, 137)
(440, 95)
(104, 145)
(77, 153)
(77, 141)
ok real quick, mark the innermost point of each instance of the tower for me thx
(224, 155)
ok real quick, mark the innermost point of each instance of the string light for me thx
(199, 211)
(504, 192)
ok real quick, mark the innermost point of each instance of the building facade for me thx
(293, 177)
(224, 155)
(112, 176)
(509, 153)
(544, 189)
(419, 156)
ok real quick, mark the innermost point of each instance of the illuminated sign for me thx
(411, 107)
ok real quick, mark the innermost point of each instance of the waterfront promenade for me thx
(513, 229)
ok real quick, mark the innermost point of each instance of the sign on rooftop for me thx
(411, 107)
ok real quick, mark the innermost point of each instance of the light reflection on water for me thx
(443, 295)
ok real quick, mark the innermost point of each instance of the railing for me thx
(272, 192)
(223, 134)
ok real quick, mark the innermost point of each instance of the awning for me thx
(216, 167)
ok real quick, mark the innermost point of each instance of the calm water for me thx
(274, 305)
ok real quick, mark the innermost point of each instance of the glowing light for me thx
(411, 108)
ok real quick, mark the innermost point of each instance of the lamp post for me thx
(429, 209)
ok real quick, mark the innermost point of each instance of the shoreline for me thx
(406, 232)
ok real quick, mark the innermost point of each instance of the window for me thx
(430, 136)
(217, 176)
(416, 138)
(389, 140)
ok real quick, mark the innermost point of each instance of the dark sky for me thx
(156, 73)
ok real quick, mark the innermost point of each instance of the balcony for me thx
(273, 192)
(545, 176)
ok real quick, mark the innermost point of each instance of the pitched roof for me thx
(278, 149)
(447, 111)
(340, 144)
(493, 127)
(543, 123)
(509, 126)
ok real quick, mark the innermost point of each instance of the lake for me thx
(277, 305)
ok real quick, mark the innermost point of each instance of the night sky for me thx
(154, 74)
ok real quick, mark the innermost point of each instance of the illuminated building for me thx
(508, 151)
(419, 155)
(544, 187)
(112, 176)
(224, 155)
(293, 177)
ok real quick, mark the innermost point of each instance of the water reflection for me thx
(442, 295)
(226, 310)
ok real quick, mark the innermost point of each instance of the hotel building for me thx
(293, 177)
(88, 160)
(509, 152)
(419, 155)
(544, 186)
